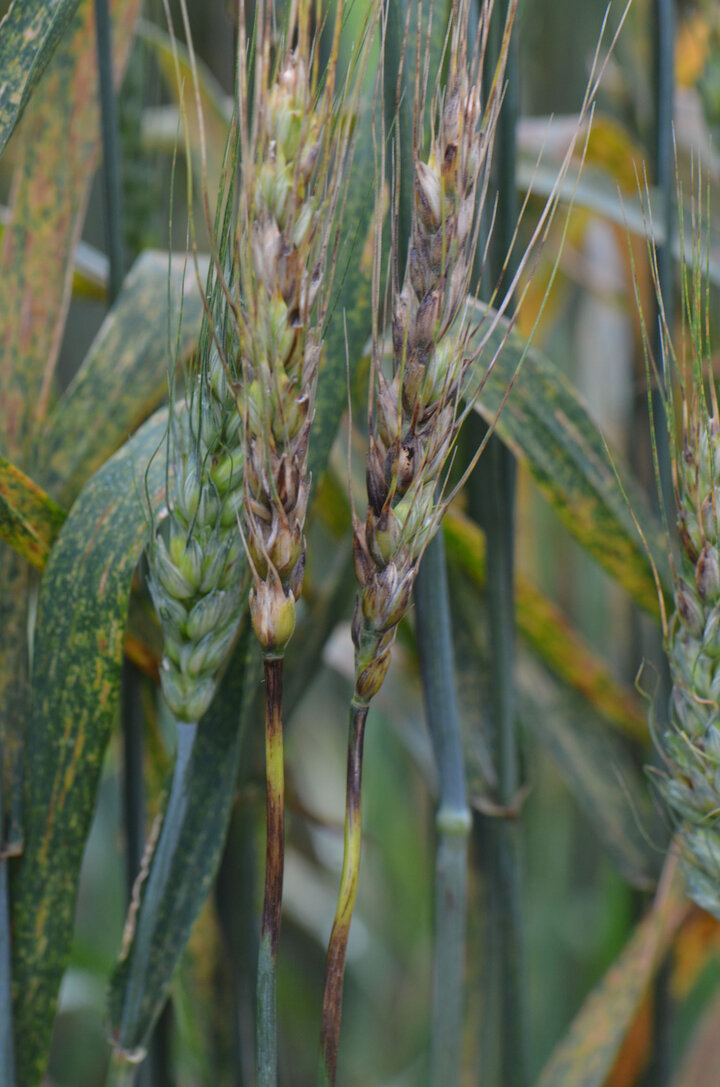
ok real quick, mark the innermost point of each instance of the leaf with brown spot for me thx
(594, 764)
(586, 1055)
(551, 635)
(124, 376)
(545, 423)
(700, 1066)
(29, 33)
(74, 698)
(216, 106)
(29, 519)
(56, 162)
(187, 853)
(634, 1055)
(90, 268)
(696, 945)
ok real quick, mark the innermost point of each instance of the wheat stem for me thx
(120, 1073)
(413, 425)
(7, 1046)
(337, 948)
(111, 149)
(452, 819)
(664, 64)
(497, 501)
(266, 1036)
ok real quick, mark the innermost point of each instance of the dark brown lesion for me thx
(332, 1000)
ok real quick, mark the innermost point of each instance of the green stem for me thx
(337, 948)
(266, 1027)
(120, 1073)
(497, 472)
(111, 149)
(234, 899)
(7, 1049)
(453, 820)
(664, 65)
(504, 852)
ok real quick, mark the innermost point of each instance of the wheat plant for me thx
(440, 361)
(354, 177)
(295, 140)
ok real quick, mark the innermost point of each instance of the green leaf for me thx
(29, 519)
(90, 275)
(187, 853)
(124, 376)
(546, 425)
(598, 193)
(596, 767)
(139, 987)
(544, 626)
(74, 700)
(29, 34)
(16, 582)
(351, 310)
(586, 1055)
(7, 1054)
(216, 107)
(328, 589)
(551, 635)
(598, 770)
(56, 162)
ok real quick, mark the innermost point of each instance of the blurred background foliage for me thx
(592, 838)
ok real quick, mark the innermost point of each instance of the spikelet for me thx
(691, 743)
(416, 413)
(196, 563)
(291, 184)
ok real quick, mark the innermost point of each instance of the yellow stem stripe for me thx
(337, 948)
(350, 870)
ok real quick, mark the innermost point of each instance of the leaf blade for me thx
(587, 1053)
(550, 634)
(545, 423)
(29, 519)
(29, 34)
(216, 106)
(186, 856)
(80, 634)
(57, 160)
(124, 375)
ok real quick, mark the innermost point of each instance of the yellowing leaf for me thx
(587, 1053)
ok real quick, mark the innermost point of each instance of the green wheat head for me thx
(690, 744)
